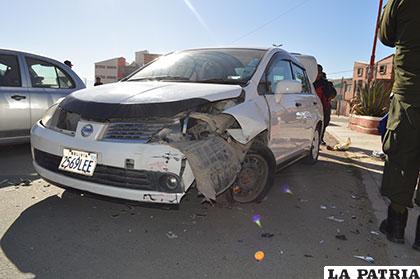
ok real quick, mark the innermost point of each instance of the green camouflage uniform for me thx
(400, 28)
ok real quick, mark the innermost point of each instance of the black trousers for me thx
(327, 118)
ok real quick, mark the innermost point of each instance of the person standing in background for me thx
(68, 63)
(97, 81)
(326, 92)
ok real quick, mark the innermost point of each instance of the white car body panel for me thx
(253, 116)
(145, 156)
(290, 128)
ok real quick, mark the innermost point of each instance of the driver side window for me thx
(278, 70)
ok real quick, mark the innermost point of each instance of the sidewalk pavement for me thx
(360, 155)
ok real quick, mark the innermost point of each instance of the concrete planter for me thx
(364, 124)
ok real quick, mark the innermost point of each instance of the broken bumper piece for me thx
(155, 173)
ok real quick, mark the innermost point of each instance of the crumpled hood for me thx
(139, 100)
(132, 92)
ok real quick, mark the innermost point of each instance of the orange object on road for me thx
(259, 256)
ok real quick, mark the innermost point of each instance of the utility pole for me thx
(372, 57)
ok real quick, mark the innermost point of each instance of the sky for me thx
(336, 32)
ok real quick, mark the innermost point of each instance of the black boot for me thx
(416, 244)
(394, 225)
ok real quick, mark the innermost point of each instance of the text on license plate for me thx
(78, 162)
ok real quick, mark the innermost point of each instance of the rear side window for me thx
(300, 75)
(46, 75)
(9, 71)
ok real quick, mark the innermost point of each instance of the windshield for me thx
(229, 66)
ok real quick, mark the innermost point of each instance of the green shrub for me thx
(373, 100)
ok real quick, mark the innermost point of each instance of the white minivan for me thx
(219, 119)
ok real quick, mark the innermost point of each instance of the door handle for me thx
(315, 103)
(18, 97)
(298, 104)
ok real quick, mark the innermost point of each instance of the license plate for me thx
(78, 162)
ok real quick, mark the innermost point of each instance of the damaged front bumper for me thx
(144, 179)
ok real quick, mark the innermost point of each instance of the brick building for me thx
(113, 70)
(384, 71)
(347, 89)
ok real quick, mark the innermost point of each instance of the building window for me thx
(99, 66)
(382, 69)
(347, 88)
(360, 72)
(111, 77)
(111, 67)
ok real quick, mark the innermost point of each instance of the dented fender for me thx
(252, 115)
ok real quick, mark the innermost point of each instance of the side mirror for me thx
(288, 86)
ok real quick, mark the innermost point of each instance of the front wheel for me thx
(314, 151)
(256, 176)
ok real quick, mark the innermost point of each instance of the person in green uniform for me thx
(400, 28)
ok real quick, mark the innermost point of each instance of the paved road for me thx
(50, 233)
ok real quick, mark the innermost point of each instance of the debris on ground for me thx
(368, 259)
(321, 242)
(259, 256)
(323, 207)
(25, 182)
(303, 200)
(257, 220)
(115, 215)
(267, 235)
(341, 237)
(200, 214)
(342, 146)
(285, 189)
(356, 231)
(374, 232)
(308, 256)
(338, 220)
(378, 154)
(171, 235)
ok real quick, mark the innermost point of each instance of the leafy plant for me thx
(373, 100)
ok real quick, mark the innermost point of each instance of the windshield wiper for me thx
(162, 78)
(222, 81)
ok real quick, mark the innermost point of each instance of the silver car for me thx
(29, 85)
(219, 119)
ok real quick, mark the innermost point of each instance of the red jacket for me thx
(320, 91)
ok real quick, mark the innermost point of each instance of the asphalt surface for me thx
(47, 232)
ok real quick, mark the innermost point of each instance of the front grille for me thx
(106, 175)
(137, 131)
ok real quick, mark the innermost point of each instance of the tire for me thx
(315, 146)
(256, 176)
